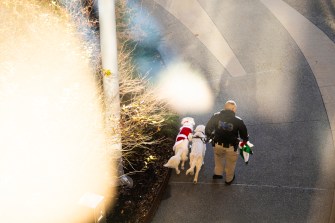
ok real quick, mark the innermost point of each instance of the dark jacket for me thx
(226, 128)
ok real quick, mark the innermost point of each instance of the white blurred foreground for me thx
(52, 140)
(185, 89)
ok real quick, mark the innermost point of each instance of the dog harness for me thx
(203, 139)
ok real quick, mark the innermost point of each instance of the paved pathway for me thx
(201, 25)
(285, 96)
(317, 48)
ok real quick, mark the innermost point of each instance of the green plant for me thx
(146, 121)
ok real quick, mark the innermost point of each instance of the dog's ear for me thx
(203, 128)
(192, 121)
(200, 128)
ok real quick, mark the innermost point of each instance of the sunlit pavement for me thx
(276, 60)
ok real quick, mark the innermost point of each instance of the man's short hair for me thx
(230, 105)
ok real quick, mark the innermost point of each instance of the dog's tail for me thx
(191, 169)
(174, 161)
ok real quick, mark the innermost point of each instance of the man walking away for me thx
(224, 128)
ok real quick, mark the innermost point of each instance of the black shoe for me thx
(228, 183)
(217, 176)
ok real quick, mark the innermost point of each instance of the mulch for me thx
(139, 203)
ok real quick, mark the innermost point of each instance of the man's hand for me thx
(207, 140)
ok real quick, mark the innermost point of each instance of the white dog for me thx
(198, 152)
(181, 145)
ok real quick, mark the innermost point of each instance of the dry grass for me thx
(142, 114)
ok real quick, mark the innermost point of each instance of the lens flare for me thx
(53, 145)
(185, 89)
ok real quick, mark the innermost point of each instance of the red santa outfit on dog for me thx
(184, 133)
(181, 145)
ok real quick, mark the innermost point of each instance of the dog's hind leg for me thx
(184, 158)
(192, 165)
(191, 159)
(198, 168)
(177, 170)
(183, 163)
